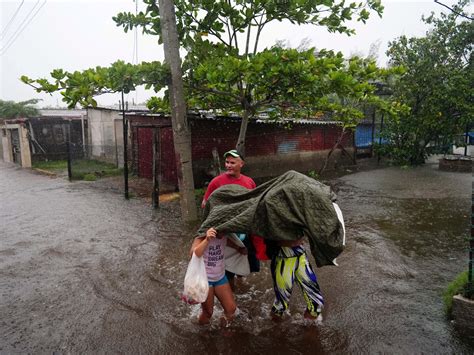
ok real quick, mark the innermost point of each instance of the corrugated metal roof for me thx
(62, 113)
(261, 119)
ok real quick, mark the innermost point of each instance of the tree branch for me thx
(215, 91)
(454, 11)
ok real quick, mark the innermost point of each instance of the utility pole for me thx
(181, 131)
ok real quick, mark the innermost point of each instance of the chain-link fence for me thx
(105, 164)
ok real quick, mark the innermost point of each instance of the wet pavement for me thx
(84, 271)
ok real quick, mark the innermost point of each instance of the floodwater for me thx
(84, 271)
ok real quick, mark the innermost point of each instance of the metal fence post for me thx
(125, 148)
(68, 150)
(156, 187)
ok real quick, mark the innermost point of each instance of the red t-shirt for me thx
(245, 181)
(226, 179)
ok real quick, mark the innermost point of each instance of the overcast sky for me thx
(37, 36)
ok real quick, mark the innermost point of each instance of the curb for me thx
(46, 172)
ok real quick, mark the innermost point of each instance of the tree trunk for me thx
(242, 133)
(181, 131)
(343, 150)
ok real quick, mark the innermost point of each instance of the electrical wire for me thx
(11, 20)
(20, 29)
(20, 26)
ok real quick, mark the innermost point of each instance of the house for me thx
(105, 131)
(15, 142)
(25, 140)
(271, 148)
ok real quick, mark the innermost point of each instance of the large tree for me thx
(225, 68)
(437, 86)
(12, 109)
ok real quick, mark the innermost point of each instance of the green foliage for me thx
(23, 109)
(199, 194)
(436, 87)
(226, 20)
(81, 169)
(158, 104)
(53, 165)
(313, 174)
(455, 287)
(225, 70)
(286, 83)
(81, 87)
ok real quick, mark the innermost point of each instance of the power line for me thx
(11, 20)
(21, 24)
(20, 30)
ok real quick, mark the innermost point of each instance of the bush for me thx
(455, 287)
(199, 194)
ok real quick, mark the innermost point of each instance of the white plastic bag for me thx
(196, 286)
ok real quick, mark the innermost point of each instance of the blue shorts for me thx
(222, 281)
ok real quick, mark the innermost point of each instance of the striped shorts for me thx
(289, 265)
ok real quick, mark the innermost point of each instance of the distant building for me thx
(271, 148)
(25, 140)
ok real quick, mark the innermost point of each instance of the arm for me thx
(241, 250)
(200, 244)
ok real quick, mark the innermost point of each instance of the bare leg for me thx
(207, 308)
(226, 297)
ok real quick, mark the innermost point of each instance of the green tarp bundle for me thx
(283, 208)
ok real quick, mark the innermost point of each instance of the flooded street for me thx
(82, 270)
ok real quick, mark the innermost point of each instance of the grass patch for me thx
(53, 165)
(81, 168)
(89, 170)
(457, 286)
(90, 177)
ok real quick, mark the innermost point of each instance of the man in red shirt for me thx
(233, 165)
(234, 162)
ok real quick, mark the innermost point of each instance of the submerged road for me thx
(84, 271)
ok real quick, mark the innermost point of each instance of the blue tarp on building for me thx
(363, 136)
(471, 137)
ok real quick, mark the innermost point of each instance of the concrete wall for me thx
(274, 165)
(103, 135)
(463, 314)
(25, 148)
(460, 150)
(25, 152)
(7, 153)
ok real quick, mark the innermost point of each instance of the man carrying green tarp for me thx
(283, 210)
